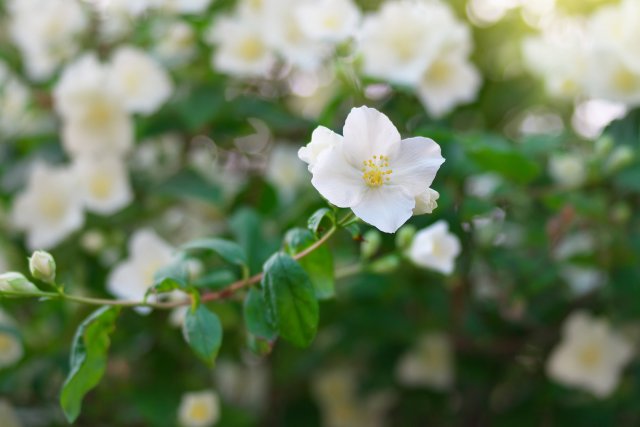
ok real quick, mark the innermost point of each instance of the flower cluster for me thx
(597, 57)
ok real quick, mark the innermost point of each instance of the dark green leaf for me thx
(229, 251)
(290, 297)
(203, 332)
(88, 359)
(318, 264)
(255, 316)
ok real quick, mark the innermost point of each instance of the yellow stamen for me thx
(375, 172)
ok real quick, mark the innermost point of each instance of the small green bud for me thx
(404, 237)
(16, 282)
(619, 159)
(603, 146)
(386, 264)
(43, 267)
(370, 243)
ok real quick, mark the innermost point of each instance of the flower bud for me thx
(619, 159)
(43, 267)
(17, 283)
(404, 236)
(370, 243)
(386, 264)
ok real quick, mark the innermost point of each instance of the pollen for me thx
(376, 171)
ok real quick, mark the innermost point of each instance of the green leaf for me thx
(203, 332)
(255, 316)
(228, 250)
(318, 264)
(316, 218)
(507, 162)
(189, 184)
(88, 359)
(291, 304)
(171, 277)
(218, 279)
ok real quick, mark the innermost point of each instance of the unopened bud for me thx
(404, 237)
(43, 267)
(619, 159)
(17, 283)
(370, 243)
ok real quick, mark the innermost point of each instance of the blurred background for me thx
(129, 127)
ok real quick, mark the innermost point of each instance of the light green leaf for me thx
(88, 359)
(255, 316)
(229, 251)
(290, 298)
(203, 332)
(318, 264)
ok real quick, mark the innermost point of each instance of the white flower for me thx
(50, 208)
(138, 80)
(449, 80)
(430, 363)
(284, 33)
(244, 385)
(329, 20)
(615, 27)
(176, 43)
(11, 350)
(185, 6)
(436, 248)
(14, 104)
(95, 121)
(46, 32)
(374, 172)
(42, 266)
(285, 171)
(400, 40)
(615, 78)
(591, 355)
(199, 409)
(321, 139)
(104, 183)
(568, 170)
(426, 202)
(241, 48)
(582, 280)
(131, 278)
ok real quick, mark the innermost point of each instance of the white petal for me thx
(368, 132)
(337, 180)
(416, 164)
(426, 202)
(321, 139)
(387, 208)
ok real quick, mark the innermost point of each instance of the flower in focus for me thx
(104, 184)
(50, 208)
(321, 139)
(430, 363)
(329, 20)
(131, 278)
(95, 121)
(372, 171)
(141, 84)
(199, 409)
(591, 355)
(435, 247)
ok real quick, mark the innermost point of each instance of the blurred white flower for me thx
(95, 121)
(141, 84)
(11, 349)
(568, 170)
(285, 171)
(328, 20)
(185, 6)
(435, 248)
(426, 202)
(15, 116)
(450, 79)
(284, 33)
(46, 32)
(199, 409)
(374, 172)
(582, 280)
(8, 415)
(104, 183)
(50, 208)
(615, 27)
(482, 185)
(131, 278)
(591, 355)
(241, 47)
(430, 363)
(176, 43)
(400, 40)
(242, 384)
(615, 78)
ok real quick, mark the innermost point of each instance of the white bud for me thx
(16, 282)
(43, 267)
(426, 202)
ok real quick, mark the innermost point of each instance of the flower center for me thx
(199, 411)
(375, 171)
(590, 356)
